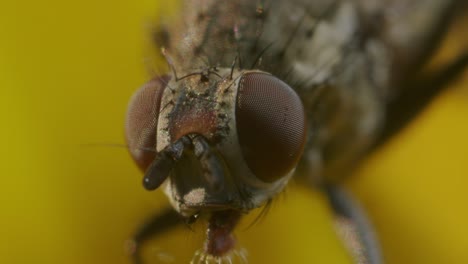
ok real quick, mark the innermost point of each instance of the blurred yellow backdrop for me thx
(67, 70)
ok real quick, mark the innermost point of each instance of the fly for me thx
(260, 91)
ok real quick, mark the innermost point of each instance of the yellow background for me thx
(67, 69)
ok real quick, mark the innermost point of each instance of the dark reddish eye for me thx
(142, 121)
(271, 125)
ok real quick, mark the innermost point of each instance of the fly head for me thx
(220, 142)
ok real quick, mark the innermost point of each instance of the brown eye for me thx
(142, 121)
(271, 125)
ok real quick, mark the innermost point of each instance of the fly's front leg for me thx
(155, 226)
(157, 172)
(353, 226)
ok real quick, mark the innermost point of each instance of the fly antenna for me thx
(117, 145)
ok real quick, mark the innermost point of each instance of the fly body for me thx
(263, 90)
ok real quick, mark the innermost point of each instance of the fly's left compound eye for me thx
(271, 125)
(142, 120)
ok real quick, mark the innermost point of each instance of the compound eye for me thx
(271, 125)
(142, 120)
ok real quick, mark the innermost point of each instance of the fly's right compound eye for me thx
(271, 125)
(142, 121)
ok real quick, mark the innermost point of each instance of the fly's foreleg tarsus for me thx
(353, 226)
(157, 224)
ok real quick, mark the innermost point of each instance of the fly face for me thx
(221, 142)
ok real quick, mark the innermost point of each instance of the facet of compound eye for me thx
(271, 125)
(142, 120)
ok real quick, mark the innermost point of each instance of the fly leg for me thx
(155, 175)
(417, 94)
(353, 226)
(155, 226)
